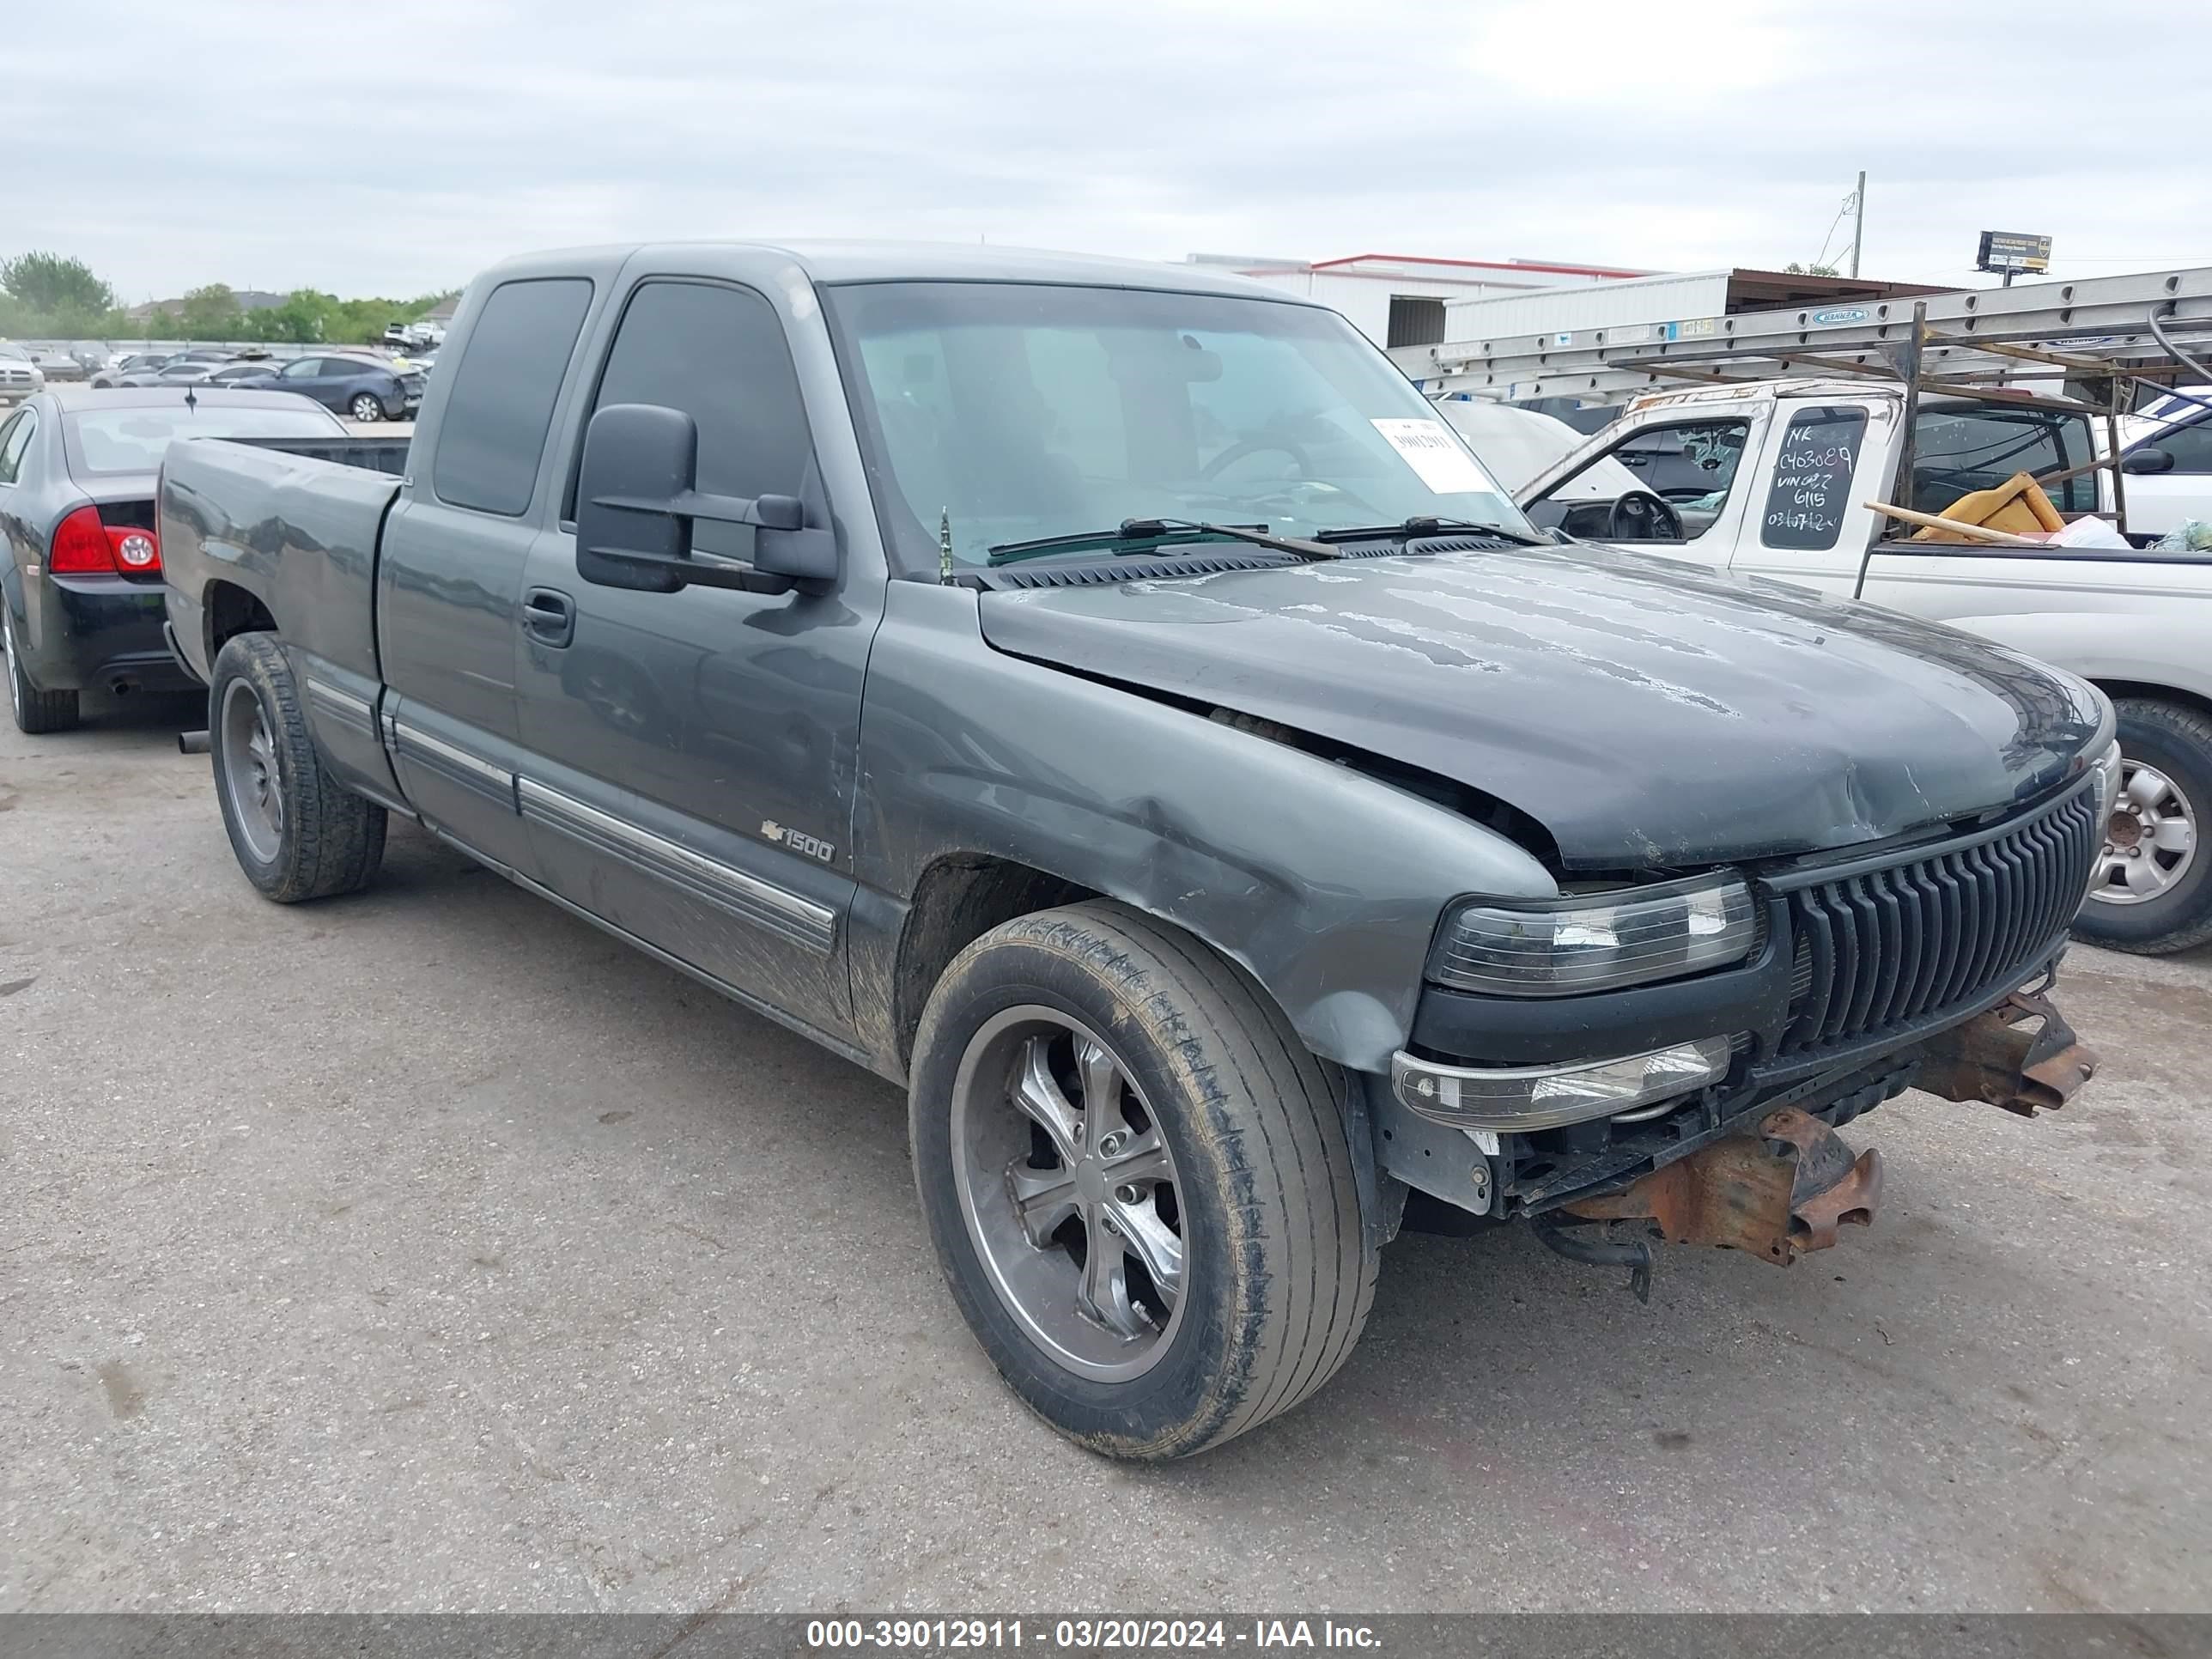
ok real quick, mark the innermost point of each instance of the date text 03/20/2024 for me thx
(1256, 1634)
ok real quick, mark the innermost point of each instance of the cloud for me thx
(399, 148)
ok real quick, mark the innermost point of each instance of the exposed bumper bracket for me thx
(1997, 1057)
(1776, 1193)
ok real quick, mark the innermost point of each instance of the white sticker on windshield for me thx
(1435, 454)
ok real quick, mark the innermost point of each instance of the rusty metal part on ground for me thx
(1775, 1192)
(1996, 1057)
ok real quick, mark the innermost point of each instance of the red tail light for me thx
(81, 547)
(138, 552)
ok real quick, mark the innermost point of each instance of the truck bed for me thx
(291, 526)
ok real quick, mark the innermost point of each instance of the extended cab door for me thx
(690, 757)
(450, 568)
(1690, 460)
(1805, 521)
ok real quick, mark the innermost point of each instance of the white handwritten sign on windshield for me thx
(1812, 488)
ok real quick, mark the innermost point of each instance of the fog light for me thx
(1517, 1098)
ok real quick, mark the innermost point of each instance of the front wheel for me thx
(2152, 888)
(298, 832)
(1138, 1181)
(367, 407)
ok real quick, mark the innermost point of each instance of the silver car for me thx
(19, 376)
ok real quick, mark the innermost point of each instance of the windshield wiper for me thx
(1408, 529)
(1143, 535)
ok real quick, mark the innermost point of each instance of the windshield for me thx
(14, 354)
(1023, 411)
(132, 440)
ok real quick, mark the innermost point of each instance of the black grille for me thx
(1887, 947)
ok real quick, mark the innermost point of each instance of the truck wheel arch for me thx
(960, 897)
(2118, 688)
(226, 610)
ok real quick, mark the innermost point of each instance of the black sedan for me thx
(81, 582)
(362, 387)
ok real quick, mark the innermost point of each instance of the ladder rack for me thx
(2094, 328)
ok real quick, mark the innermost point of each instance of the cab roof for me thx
(838, 262)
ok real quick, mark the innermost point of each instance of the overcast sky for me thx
(395, 148)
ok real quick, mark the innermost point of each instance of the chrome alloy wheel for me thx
(1069, 1193)
(2151, 840)
(249, 772)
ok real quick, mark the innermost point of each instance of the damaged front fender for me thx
(1325, 884)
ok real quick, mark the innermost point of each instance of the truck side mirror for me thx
(636, 499)
(2150, 459)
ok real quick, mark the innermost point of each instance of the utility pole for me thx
(1859, 220)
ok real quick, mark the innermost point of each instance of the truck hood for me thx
(1648, 713)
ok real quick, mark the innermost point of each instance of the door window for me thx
(15, 439)
(1959, 450)
(501, 406)
(2190, 446)
(1690, 464)
(303, 368)
(719, 355)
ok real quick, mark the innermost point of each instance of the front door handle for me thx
(549, 616)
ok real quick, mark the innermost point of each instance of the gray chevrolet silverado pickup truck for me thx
(1106, 700)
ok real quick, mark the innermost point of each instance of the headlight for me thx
(1520, 1098)
(1597, 942)
(2107, 786)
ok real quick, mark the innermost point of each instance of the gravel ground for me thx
(427, 1249)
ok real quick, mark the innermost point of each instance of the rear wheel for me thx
(298, 832)
(36, 711)
(2151, 889)
(1138, 1181)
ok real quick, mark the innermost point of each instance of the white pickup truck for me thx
(1769, 479)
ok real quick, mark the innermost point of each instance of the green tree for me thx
(211, 313)
(1797, 269)
(298, 321)
(49, 282)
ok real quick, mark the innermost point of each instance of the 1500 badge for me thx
(771, 831)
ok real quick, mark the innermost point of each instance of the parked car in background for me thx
(249, 372)
(19, 375)
(81, 575)
(2166, 453)
(1771, 480)
(57, 364)
(91, 356)
(177, 371)
(134, 362)
(1517, 442)
(362, 388)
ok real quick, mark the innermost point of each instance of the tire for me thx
(1277, 1272)
(366, 406)
(322, 838)
(2168, 744)
(36, 712)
